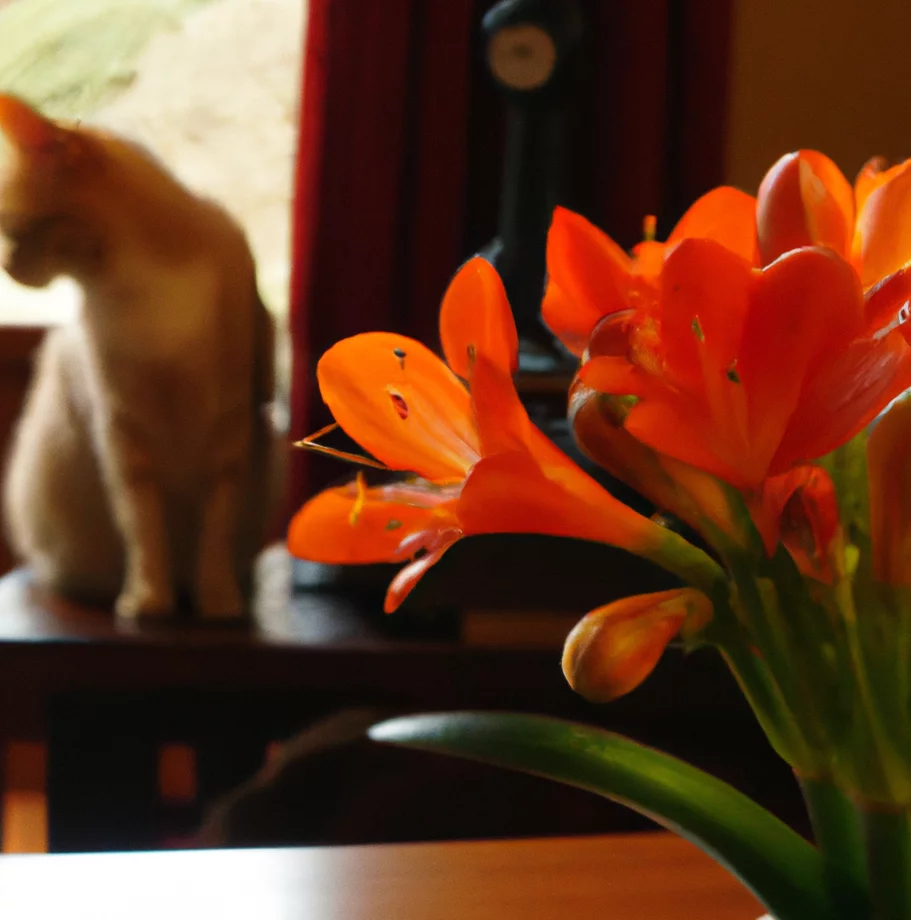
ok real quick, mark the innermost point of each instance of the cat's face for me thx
(46, 227)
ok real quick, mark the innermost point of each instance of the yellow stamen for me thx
(360, 483)
(309, 443)
(649, 225)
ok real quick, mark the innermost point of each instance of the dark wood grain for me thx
(646, 877)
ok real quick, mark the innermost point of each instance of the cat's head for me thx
(44, 226)
(73, 197)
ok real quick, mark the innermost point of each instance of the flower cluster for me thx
(744, 375)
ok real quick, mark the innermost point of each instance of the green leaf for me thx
(888, 845)
(837, 829)
(780, 867)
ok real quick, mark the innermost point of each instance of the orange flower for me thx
(745, 372)
(714, 367)
(803, 200)
(590, 276)
(614, 648)
(499, 473)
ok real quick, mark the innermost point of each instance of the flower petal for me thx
(725, 215)
(691, 405)
(616, 375)
(843, 397)
(611, 336)
(588, 277)
(690, 494)
(804, 308)
(401, 403)
(701, 311)
(800, 509)
(350, 526)
(615, 647)
(436, 543)
(509, 493)
(874, 173)
(570, 320)
(501, 419)
(804, 200)
(886, 304)
(475, 318)
(882, 240)
(670, 425)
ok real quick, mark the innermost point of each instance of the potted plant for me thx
(748, 377)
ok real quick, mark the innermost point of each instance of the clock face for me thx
(522, 57)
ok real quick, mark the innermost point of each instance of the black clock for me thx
(529, 46)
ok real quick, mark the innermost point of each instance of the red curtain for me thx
(400, 157)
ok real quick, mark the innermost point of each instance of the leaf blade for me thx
(780, 867)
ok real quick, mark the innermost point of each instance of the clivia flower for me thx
(745, 372)
(590, 276)
(482, 466)
(725, 368)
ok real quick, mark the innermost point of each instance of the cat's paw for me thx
(143, 600)
(219, 599)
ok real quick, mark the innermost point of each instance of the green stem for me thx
(689, 563)
(888, 839)
(766, 701)
(839, 837)
(881, 757)
(771, 633)
(727, 634)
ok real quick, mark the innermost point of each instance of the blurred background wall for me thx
(834, 76)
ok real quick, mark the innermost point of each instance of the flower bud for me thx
(614, 648)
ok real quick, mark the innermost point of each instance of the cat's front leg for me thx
(138, 508)
(217, 592)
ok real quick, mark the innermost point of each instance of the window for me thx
(211, 86)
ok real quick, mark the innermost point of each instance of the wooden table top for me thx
(629, 877)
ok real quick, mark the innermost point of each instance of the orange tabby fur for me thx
(143, 464)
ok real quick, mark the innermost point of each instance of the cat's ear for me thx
(25, 129)
(29, 140)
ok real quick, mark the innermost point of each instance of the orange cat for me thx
(143, 463)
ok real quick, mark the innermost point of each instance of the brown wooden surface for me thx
(316, 643)
(643, 877)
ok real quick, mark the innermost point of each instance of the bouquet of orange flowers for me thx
(747, 376)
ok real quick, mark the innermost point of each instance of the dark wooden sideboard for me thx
(105, 697)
